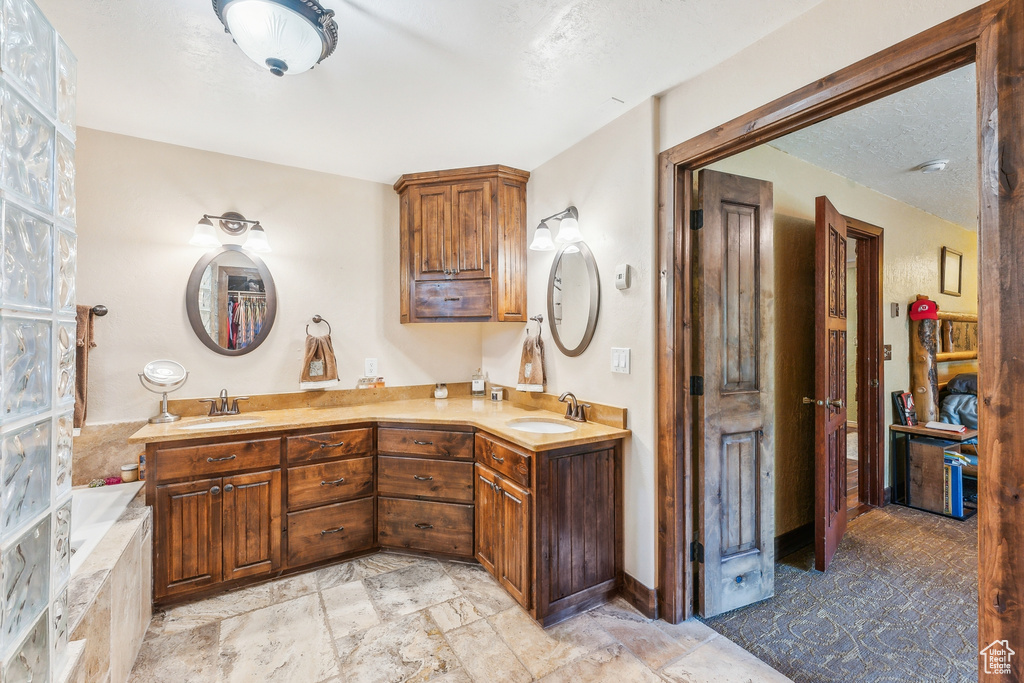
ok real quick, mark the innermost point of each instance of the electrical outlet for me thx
(887, 352)
(370, 367)
(620, 360)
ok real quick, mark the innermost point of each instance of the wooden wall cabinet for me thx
(463, 245)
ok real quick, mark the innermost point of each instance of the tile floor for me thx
(391, 618)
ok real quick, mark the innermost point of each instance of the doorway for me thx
(977, 36)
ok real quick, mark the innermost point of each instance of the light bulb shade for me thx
(569, 230)
(542, 239)
(204, 235)
(282, 36)
(257, 240)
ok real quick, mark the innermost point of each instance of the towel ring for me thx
(318, 319)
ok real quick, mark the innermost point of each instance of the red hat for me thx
(924, 309)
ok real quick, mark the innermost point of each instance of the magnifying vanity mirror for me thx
(574, 298)
(231, 300)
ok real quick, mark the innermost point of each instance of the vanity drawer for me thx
(453, 299)
(513, 463)
(221, 458)
(425, 442)
(329, 531)
(423, 525)
(421, 478)
(344, 443)
(329, 482)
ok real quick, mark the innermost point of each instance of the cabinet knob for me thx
(215, 490)
(228, 488)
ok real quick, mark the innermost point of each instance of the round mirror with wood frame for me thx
(231, 300)
(574, 298)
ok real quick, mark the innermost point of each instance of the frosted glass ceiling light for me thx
(542, 239)
(283, 36)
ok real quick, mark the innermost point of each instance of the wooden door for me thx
(431, 221)
(187, 537)
(514, 554)
(734, 419)
(252, 524)
(487, 520)
(469, 243)
(829, 381)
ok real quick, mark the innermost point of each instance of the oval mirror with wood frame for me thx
(231, 300)
(574, 298)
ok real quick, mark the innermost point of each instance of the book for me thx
(946, 427)
(952, 488)
(903, 410)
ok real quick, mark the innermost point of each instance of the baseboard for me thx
(640, 596)
(793, 540)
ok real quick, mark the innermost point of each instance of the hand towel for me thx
(83, 342)
(531, 368)
(319, 365)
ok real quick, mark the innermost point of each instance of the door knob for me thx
(811, 400)
(836, 402)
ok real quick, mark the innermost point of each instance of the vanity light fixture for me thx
(283, 36)
(568, 230)
(233, 223)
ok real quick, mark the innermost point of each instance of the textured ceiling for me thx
(881, 144)
(413, 86)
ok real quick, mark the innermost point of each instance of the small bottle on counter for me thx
(479, 387)
(129, 473)
(440, 390)
(142, 467)
(497, 394)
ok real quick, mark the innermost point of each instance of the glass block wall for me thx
(37, 340)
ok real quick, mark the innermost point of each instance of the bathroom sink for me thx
(217, 423)
(541, 427)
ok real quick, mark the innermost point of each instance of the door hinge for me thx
(696, 385)
(697, 552)
(696, 219)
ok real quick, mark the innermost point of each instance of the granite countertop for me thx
(489, 416)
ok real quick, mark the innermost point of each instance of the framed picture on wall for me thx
(952, 271)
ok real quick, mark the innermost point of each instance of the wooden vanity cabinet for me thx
(425, 490)
(549, 524)
(463, 245)
(209, 528)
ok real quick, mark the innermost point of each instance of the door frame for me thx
(991, 37)
(870, 362)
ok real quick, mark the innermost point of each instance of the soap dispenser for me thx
(479, 389)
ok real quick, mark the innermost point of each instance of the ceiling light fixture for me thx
(936, 166)
(234, 224)
(568, 230)
(283, 36)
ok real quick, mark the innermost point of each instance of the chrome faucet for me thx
(220, 407)
(574, 410)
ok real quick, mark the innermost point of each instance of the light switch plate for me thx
(370, 367)
(620, 360)
(894, 310)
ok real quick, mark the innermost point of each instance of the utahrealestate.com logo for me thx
(997, 657)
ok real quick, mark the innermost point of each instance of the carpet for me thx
(899, 603)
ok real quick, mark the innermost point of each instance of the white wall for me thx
(609, 177)
(335, 252)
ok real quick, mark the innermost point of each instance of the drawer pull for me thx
(496, 458)
(453, 298)
(423, 443)
(421, 525)
(336, 482)
(230, 457)
(419, 478)
(332, 445)
(331, 531)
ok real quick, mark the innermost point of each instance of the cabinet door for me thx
(488, 524)
(514, 554)
(431, 221)
(187, 537)
(252, 524)
(470, 237)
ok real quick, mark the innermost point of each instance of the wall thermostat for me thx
(622, 276)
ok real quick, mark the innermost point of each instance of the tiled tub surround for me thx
(110, 596)
(390, 617)
(37, 320)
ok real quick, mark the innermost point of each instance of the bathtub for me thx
(93, 512)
